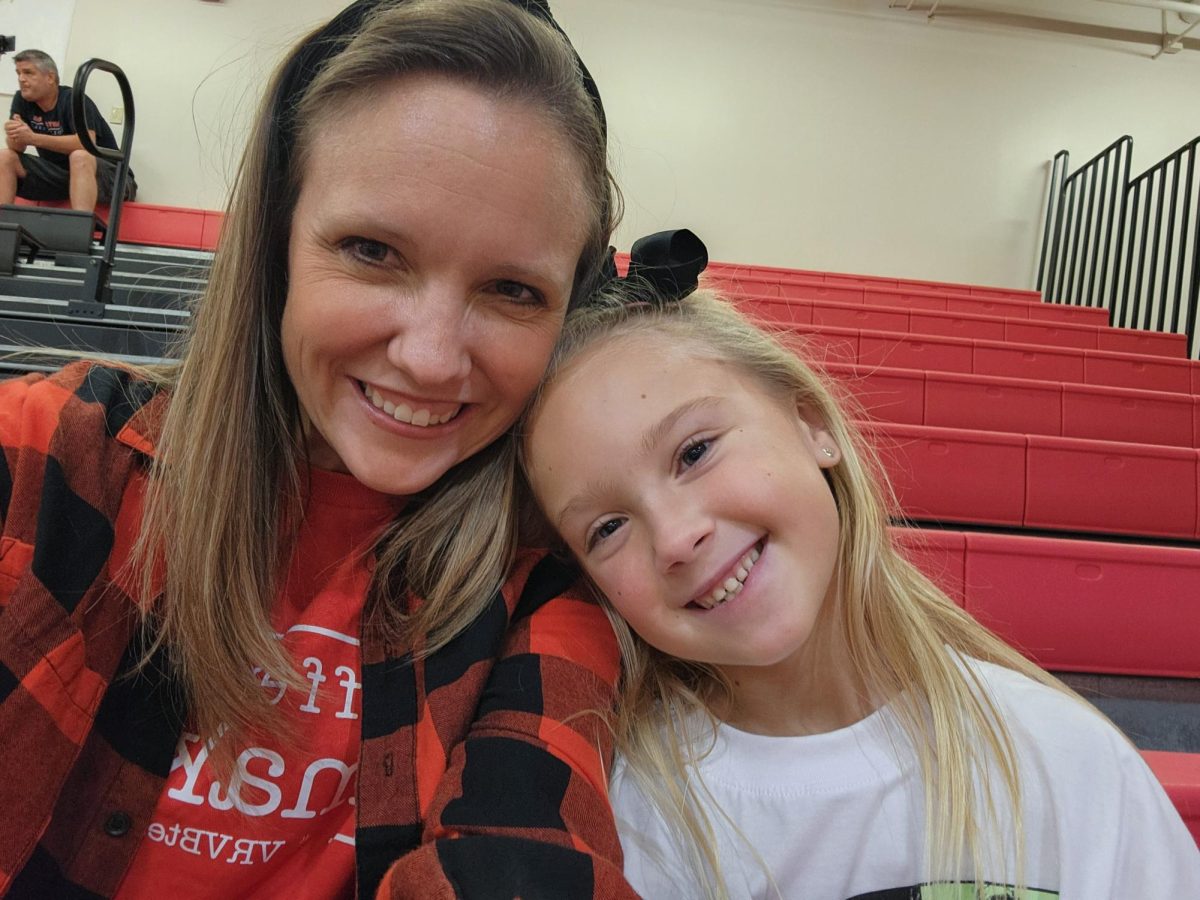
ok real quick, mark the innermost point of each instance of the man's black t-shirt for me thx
(59, 121)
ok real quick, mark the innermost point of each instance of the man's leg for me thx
(41, 179)
(11, 171)
(83, 180)
(106, 182)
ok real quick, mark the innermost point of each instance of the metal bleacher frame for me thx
(61, 298)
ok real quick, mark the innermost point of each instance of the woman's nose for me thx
(430, 340)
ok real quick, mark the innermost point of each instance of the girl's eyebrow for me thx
(655, 433)
(651, 438)
(588, 495)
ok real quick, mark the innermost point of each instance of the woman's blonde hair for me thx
(896, 625)
(226, 490)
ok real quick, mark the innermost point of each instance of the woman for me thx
(264, 626)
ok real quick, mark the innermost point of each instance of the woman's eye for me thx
(603, 531)
(521, 293)
(366, 250)
(693, 452)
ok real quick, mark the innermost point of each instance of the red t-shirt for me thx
(287, 830)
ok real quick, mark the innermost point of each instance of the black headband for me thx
(311, 56)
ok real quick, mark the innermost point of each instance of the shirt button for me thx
(118, 824)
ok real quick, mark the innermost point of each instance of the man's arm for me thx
(20, 133)
(13, 113)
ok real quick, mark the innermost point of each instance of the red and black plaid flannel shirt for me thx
(477, 778)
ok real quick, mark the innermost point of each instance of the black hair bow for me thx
(669, 262)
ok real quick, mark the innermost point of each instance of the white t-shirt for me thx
(840, 815)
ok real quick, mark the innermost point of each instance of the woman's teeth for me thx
(402, 412)
(732, 585)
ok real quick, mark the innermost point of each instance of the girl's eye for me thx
(602, 532)
(693, 452)
(520, 293)
(366, 250)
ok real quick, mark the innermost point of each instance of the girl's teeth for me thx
(402, 412)
(731, 586)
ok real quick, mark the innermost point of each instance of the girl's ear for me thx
(824, 448)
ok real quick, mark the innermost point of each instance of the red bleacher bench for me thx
(1179, 773)
(777, 274)
(1039, 481)
(159, 226)
(838, 314)
(1021, 405)
(1097, 367)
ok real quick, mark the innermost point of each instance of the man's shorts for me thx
(45, 180)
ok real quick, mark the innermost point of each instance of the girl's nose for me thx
(679, 537)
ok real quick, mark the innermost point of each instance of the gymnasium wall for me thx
(825, 134)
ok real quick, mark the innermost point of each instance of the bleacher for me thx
(1047, 468)
(1046, 463)
(160, 265)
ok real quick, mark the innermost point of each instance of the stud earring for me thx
(827, 452)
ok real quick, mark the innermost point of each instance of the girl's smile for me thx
(729, 585)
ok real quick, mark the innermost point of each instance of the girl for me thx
(804, 714)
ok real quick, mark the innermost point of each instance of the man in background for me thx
(41, 119)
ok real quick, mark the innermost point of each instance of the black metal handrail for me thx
(1160, 285)
(1128, 245)
(98, 271)
(1050, 233)
(1080, 246)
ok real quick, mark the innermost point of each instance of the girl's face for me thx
(693, 498)
(432, 255)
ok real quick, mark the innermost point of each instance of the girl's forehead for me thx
(633, 375)
(611, 350)
(608, 358)
(652, 362)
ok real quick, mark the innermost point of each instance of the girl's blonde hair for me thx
(905, 637)
(225, 494)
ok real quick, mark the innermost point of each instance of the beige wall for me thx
(833, 134)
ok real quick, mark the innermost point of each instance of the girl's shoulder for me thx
(1062, 740)
(1046, 713)
(1087, 790)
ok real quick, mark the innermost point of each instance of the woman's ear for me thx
(824, 448)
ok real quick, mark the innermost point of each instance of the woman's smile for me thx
(411, 411)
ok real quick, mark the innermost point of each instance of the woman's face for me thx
(432, 255)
